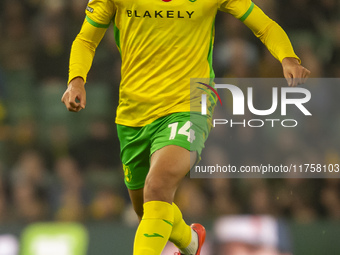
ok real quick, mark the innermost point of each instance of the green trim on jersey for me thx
(243, 18)
(95, 24)
(212, 96)
(116, 33)
(210, 54)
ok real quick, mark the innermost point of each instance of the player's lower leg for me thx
(188, 239)
(154, 229)
(168, 166)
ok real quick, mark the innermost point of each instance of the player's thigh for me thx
(168, 167)
(176, 145)
(185, 129)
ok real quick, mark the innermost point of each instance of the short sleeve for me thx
(99, 13)
(240, 9)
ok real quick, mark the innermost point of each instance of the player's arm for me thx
(82, 52)
(271, 35)
(278, 43)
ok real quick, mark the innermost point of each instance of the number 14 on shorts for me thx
(184, 130)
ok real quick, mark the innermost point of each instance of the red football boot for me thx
(200, 230)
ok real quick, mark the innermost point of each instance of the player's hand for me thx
(294, 73)
(75, 91)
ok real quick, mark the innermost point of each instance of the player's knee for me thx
(153, 186)
(158, 189)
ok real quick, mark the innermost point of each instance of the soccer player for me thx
(164, 43)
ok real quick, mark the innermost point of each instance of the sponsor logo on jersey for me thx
(167, 14)
(166, 0)
(89, 8)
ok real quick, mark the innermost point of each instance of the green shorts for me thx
(137, 144)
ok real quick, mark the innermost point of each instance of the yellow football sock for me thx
(181, 232)
(154, 229)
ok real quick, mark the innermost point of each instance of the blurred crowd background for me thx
(56, 165)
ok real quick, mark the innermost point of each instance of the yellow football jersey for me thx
(163, 43)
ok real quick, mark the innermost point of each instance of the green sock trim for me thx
(168, 222)
(154, 235)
